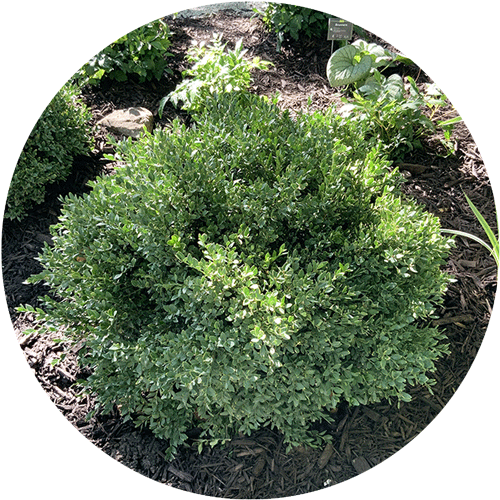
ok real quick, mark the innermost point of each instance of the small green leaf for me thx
(451, 121)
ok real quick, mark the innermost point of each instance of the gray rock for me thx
(129, 122)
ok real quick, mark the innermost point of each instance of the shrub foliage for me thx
(295, 21)
(251, 270)
(142, 53)
(61, 133)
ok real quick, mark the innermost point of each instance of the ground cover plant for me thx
(253, 270)
(62, 132)
(140, 54)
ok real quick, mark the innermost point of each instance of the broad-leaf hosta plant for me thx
(393, 116)
(354, 63)
(253, 270)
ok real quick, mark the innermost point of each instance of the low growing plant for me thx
(253, 270)
(61, 133)
(393, 116)
(447, 127)
(142, 53)
(215, 70)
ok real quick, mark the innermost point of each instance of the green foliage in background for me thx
(61, 133)
(215, 70)
(295, 22)
(251, 270)
(142, 54)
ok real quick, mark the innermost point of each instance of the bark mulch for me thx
(257, 466)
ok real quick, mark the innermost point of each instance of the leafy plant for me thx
(393, 116)
(356, 62)
(251, 270)
(493, 247)
(295, 21)
(142, 53)
(215, 71)
(61, 133)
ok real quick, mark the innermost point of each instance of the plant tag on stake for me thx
(339, 29)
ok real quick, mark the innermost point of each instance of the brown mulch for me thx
(258, 466)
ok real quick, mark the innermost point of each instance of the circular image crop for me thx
(250, 250)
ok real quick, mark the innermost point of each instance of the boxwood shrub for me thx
(251, 270)
(62, 132)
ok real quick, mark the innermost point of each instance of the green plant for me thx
(141, 53)
(294, 21)
(393, 116)
(356, 62)
(251, 270)
(493, 247)
(61, 133)
(447, 127)
(214, 71)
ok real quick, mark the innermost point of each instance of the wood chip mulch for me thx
(362, 437)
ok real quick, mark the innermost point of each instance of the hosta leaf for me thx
(380, 88)
(394, 87)
(343, 68)
(379, 55)
(371, 88)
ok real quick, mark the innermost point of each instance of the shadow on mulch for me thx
(362, 437)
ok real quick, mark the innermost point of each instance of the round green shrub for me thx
(62, 132)
(251, 270)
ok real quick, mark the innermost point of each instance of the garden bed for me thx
(257, 466)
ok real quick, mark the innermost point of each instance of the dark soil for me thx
(257, 466)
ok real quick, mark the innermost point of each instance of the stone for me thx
(129, 122)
